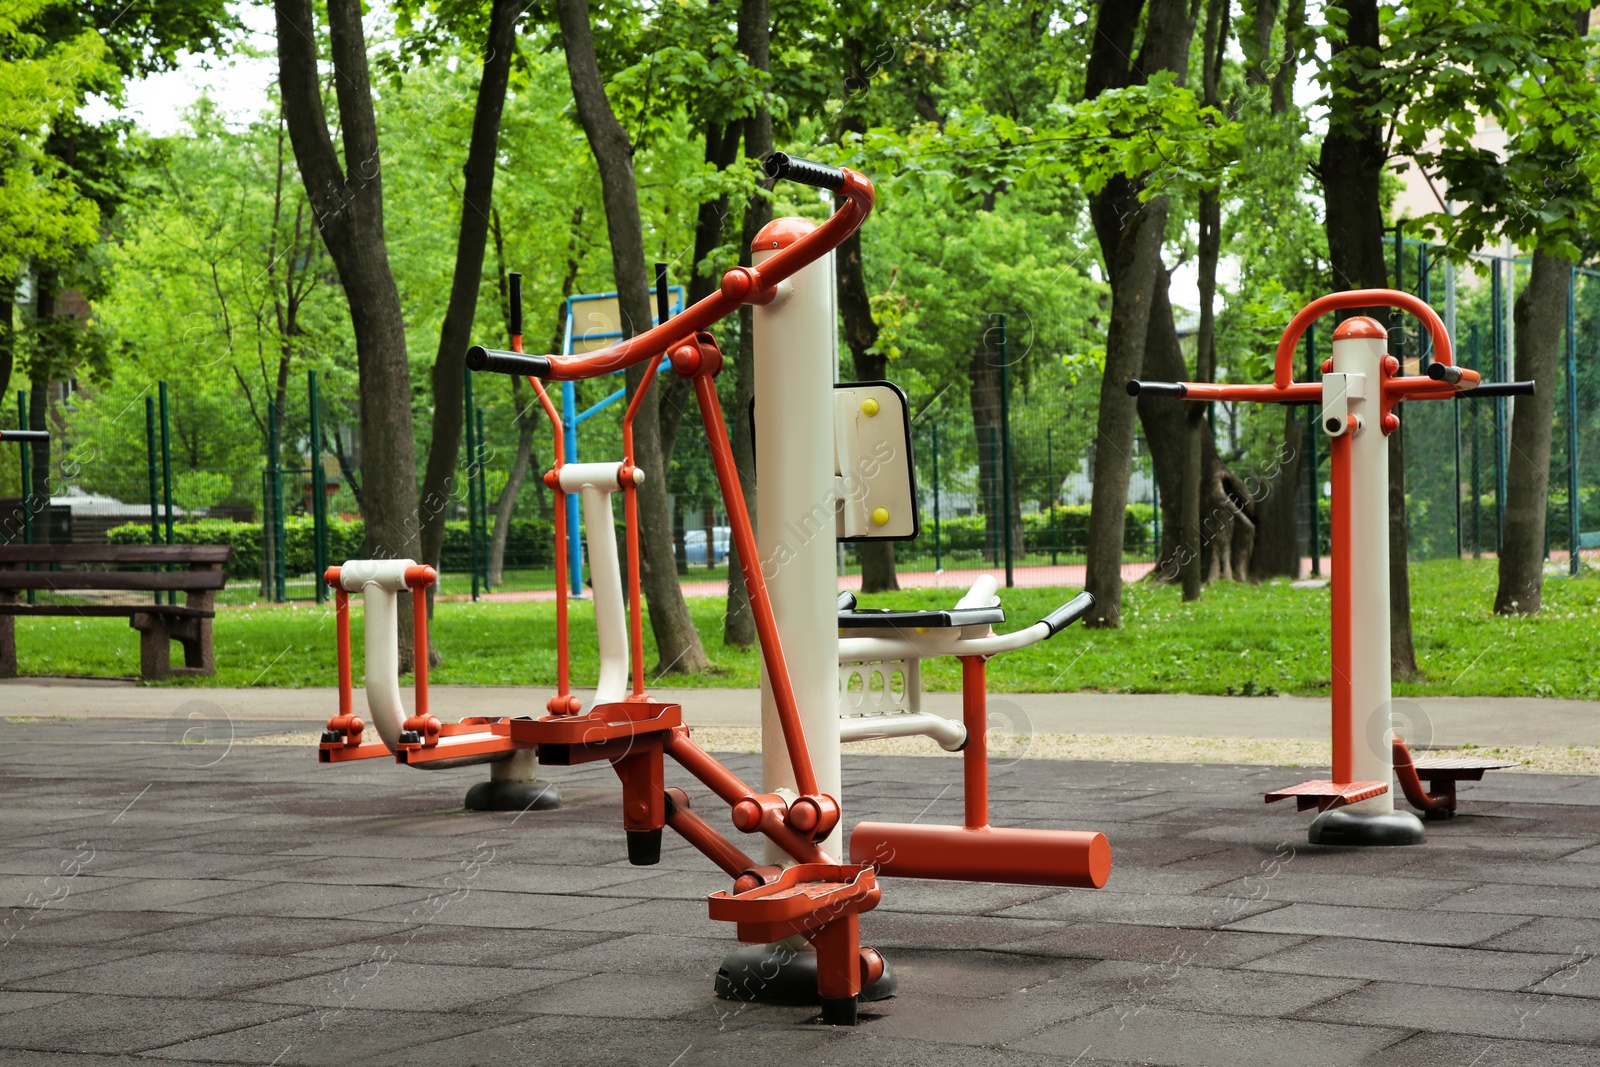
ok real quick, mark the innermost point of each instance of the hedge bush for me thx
(529, 542)
(1070, 533)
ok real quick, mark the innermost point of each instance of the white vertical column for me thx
(1357, 352)
(794, 338)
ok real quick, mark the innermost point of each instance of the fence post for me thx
(1050, 476)
(1477, 463)
(1497, 358)
(150, 463)
(319, 491)
(483, 506)
(938, 559)
(279, 575)
(166, 473)
(1574, 561)
(1005, 445)
(472, 492)
(25, 454)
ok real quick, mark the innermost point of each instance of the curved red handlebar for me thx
(740, 286)
(1283, 371)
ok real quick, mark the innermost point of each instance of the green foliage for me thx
(1066, 530)
(529, 543)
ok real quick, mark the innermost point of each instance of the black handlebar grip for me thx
(26, 437)
(847, 601)
(1069, 613)
(498, 362)
(1172, 389)
(1439, 372)
(804, 171)
(516, 305)
(1498, 389)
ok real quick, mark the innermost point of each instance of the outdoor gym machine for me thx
(1361, 385)
(801, 890)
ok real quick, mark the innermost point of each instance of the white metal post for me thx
(795, 502)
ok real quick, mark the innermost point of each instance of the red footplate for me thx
(805, 898)
(1324, 794)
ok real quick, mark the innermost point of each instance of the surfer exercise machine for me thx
(1355, 400)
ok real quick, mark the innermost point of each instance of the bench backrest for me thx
(124, 554)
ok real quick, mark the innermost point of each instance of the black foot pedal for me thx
(644, 847)
(332, 737)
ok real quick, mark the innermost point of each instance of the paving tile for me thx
(150, 894)
(1135, 987)
(1572, 938)
(1512, 1016)
(109, 1024)
(383, 982)
(1372, 891)
(1162, 1036)
(305, 901)
(21, 962)
(1471, 968)
(1148, 944)
(108, 928)
(958, 1020)
(1381, 924)
(460, 945)
(179, 974)
(329, 1038)
(1531, 899)
(1150, 909)
(622, 996)
(12, 1000)
(1479, 1052)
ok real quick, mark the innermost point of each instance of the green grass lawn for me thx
(1238, 639)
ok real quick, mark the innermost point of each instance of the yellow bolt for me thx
(880, 516)
(869, 408)
(922, 629)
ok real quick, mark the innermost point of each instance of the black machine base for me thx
(778, 974)
(1340, 827)
(513, 796)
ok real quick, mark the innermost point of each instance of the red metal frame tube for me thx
(975, 756)
(419, 621)
(1342, 583)
(732, 789)
(563, 661)
(1283, 369)
(699, 833)
(740, 285)
(630, 513)
(744, 539)
(1071, 858)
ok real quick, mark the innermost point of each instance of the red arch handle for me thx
(1283, 372)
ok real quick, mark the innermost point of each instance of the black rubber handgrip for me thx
(804, 171)
(1069, 613)
(1173, 389)
(847, 601)
(1498, 389)
(498, 362)
(26, 437)
(516, 305)
(1439, 372)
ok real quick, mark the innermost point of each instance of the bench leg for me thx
(155, 647)
(8, 646)
(199, 657)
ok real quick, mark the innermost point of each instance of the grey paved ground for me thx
(216, 904)
(1429, 720)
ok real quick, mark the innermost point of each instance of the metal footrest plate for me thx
(1324, 794)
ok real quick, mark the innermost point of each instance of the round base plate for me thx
(778, 974)
(513, 796)
(1340, 827)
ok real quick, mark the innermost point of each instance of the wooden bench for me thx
(85, 567)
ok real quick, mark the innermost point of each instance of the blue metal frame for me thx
(572, 418)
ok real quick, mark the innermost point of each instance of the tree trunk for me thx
(1173, 434)
(1351, 168)
(988, 429)
(1540, 318)
(348, 206)
(755, 41)
(861, 333)
(8, 333)
(1130, 235)
(677, 642)
(1277, 499)
(477, 191)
